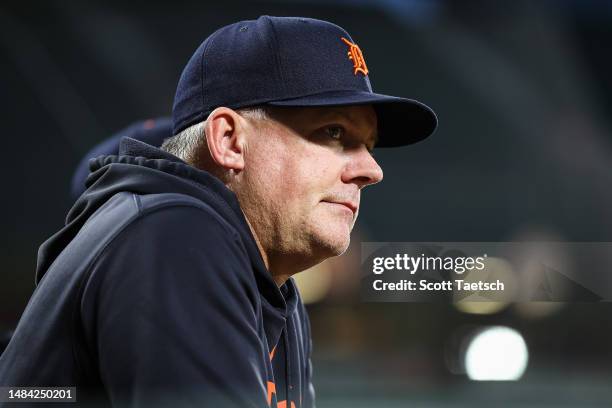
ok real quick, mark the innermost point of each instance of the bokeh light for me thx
(496, 353)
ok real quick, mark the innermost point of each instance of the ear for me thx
(225, 136)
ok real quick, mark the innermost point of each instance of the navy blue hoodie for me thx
(155, 294)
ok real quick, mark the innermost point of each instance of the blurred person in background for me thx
(170, 284)
(151, 131)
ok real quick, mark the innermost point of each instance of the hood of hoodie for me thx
(143, 169)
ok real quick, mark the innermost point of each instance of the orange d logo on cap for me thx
(355, 55)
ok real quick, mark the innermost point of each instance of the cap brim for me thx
(400, 121)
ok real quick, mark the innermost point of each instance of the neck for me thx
(279, 278)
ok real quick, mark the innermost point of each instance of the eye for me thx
(335, 132)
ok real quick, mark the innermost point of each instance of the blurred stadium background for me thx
(524, 150)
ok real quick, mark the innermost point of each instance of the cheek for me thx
(313, 174)
(265, 164)
(279, 182)
(295, 177)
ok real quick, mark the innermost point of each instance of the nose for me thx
(362, 169)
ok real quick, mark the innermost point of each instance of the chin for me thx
(332, 241)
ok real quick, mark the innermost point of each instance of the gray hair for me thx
(187, 144)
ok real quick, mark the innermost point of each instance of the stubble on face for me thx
(292, 194)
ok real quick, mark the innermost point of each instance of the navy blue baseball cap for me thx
(151, 131)
(290, 61)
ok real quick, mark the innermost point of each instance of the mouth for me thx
(346, 204)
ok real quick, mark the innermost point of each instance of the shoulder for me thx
(167, 214)
(175, 224)
(172, 239)
(155, 202)
(165, 206)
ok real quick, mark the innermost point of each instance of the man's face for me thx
(303, 175)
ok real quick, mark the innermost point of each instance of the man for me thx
(171, 283)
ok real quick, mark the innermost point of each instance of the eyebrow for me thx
(331, 112)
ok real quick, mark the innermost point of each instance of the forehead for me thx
(360, 118)
(361, 115)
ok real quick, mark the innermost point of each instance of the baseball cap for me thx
(290, 61)
(152, 131)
